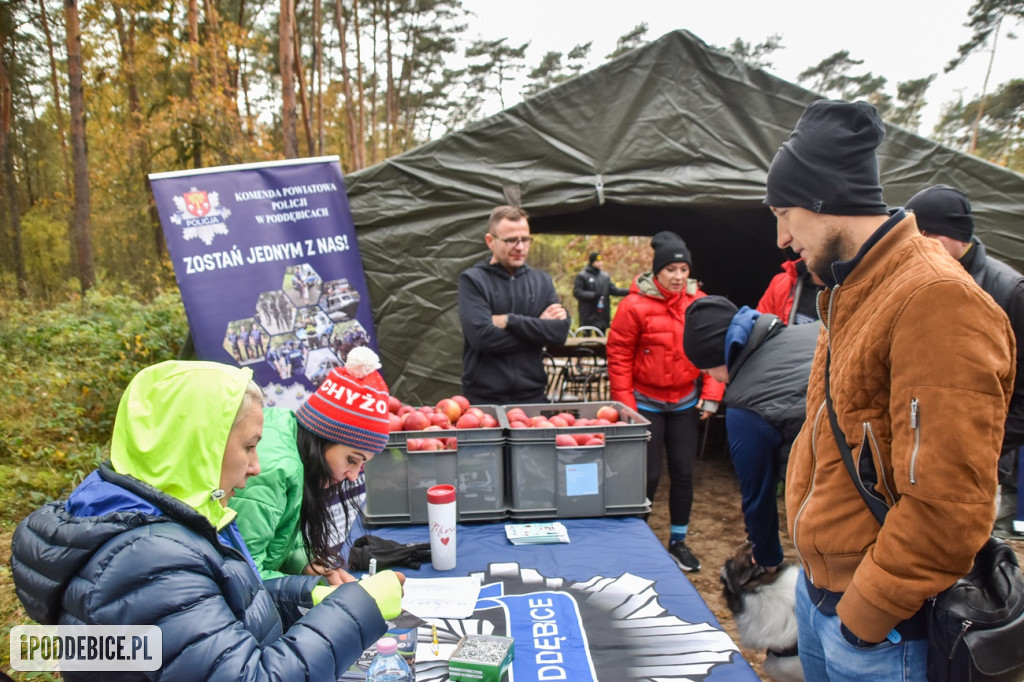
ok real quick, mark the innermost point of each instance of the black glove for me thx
(388, 553)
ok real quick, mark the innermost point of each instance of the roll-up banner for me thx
(266, 258)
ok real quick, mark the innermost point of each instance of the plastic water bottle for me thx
(388, 665)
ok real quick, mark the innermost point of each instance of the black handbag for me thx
(976, 626)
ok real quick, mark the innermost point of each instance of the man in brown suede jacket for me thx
(922, 367)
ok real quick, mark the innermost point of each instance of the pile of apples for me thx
(449, 413)
(606, 416)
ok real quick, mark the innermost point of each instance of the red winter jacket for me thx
(645, 346)
(778, 297)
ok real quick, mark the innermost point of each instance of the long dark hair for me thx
(315, 519)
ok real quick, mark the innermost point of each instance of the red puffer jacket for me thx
(778, 296)
(645, 347)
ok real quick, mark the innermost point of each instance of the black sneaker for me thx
(683, 556)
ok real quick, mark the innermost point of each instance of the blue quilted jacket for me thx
(120, 551)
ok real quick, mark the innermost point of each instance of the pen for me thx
(373, 566)
(433, 635)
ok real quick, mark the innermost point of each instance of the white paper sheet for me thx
(441, 597)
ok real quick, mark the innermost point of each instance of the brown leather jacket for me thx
(922, 373)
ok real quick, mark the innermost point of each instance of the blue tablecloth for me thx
(611, 605)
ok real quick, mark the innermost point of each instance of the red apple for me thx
(440, 419)
(415, 421)
(394, 422)
(608, 412)
(543, 424)
(477, 412)
(433, 444)
(559, 420)
(518, 425)
(517, 414)
(394, 404)
(451, 443)
(404, 410)
(426, 409)
(489, 422)
(569, 418)
(462, 400)
(602, 422)
(581, 438)
(468, 421)
(564, 440)
(433, 427)
(414, 444)
(450, 408)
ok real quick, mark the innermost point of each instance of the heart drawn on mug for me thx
(444, 541)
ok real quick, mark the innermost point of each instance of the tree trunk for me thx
(390, 108)
(317, 95)
(361, 101)
(286, 57)
(355, 156)
(79, 153)
(984, 87)
(126, 38)
(193, 82)
(58, 110)
(307, 126)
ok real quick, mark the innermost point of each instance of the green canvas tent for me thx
(672, 135)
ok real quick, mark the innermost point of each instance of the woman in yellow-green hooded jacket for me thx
(148, 539)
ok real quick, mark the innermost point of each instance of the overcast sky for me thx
(898, 39)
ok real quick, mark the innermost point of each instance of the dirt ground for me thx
(716, 528)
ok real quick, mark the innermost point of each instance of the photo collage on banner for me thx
(269, 270)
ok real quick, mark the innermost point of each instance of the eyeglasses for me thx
(515, 241)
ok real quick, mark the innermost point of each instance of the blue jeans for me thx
(825, 655)
(754, 448)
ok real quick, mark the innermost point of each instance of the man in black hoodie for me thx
(509, 312)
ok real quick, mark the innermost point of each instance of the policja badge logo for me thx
(200, 215)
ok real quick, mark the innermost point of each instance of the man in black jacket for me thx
(509, 312)
(593, 289)
(765, 366)
(944, 213)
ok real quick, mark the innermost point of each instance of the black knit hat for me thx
(594, 256)
(944, 210)
(707, 320)
(663, 237)
(829, 164)
(668, 247)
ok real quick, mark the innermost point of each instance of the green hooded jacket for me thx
(178, 445)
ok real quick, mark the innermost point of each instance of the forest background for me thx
(96, 95)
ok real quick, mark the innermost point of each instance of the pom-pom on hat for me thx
(351, 405)
(707, 322)
(945, 210)
(829, 164)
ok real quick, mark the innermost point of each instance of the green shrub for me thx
(67, 367)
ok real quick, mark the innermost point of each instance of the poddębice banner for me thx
(269, 270)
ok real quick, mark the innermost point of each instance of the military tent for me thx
(672, 135)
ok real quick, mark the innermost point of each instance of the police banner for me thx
(269, 270)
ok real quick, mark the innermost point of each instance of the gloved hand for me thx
(388, 553)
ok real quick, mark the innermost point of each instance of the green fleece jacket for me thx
(268, 506)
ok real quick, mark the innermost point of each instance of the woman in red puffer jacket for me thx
(650, 373)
